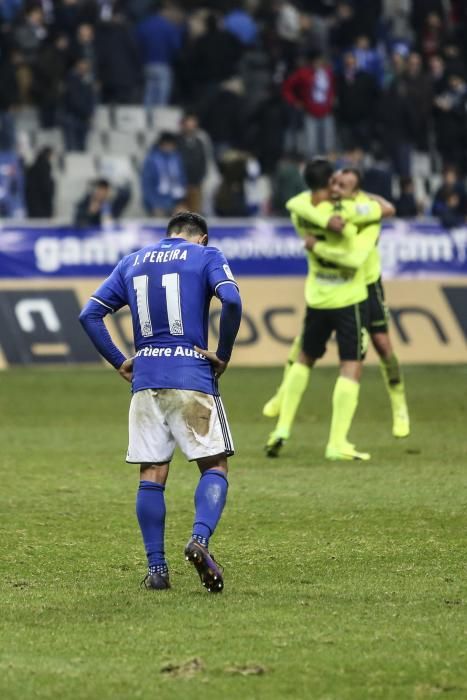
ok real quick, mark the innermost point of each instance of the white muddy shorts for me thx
(160, 419)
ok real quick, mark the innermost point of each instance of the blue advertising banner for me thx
(256, 247)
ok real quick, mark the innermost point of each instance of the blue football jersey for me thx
(168, 287)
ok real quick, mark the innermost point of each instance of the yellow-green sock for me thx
(391, 370)
(344, 405)
(291, 358)
(292, 391)
(392, 376)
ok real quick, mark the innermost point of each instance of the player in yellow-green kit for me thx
(336, 297)
(345, 184)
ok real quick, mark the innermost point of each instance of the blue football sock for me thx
(210, 498)
(150, 511)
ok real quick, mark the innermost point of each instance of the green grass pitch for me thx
(344, 581)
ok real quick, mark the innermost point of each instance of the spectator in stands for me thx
(397, 65)
(437, 74)
(450, 200)
(287, 182)
(255, 69)
(420, 9)
(49, 74)
(451, 123)
(406, 204)
(232, 74)
(396, 24)
(40, 186)
(69, 14)
(9, 11)
(8, 100)
(119, 66)
(311, 90)
(264, 136)
(368, 59)
(84, 46)
(211, 59)
(30, 33)
(223, 116)
(241, 24)
(432, 35)
(78, 105)
(419, 101)
(453, 59)
(288, 26)
(11, 187)
(160, 40)
(101, 205)
(163, 178)
(357, 95)
(395, 122)
(28, 39)
(193, 148)
(369, 15)
(345, 26)
(230, 198)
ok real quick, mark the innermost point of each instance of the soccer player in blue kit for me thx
(168, 288)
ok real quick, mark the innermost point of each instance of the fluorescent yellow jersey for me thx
(373, 262)
(336, 276)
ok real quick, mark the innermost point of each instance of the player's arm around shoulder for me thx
(320, 216)
(388, 210)
(352, 253)
(302, 207)
(363, 212)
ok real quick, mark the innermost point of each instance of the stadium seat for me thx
(118, 169)
(97, 142)
(27, 120)
(130, 119)
(77, 164)
(121, 143)
(103, 118)
(421, 165)
(49, 137)
(165, 119)
(80, 166)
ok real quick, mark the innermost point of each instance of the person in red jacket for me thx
(311, 89)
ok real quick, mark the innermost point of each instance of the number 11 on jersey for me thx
(171, 283)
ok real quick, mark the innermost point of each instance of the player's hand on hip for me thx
(218, 365)
(126, 370)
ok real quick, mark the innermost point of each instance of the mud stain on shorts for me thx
(197, 412)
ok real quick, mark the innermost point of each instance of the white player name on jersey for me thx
(156, 256)
(178, 351)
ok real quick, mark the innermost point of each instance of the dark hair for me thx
(356, 172)
(190, 114)
(405, 181)
(211, 23)
(317, 173)
(101, 182)
(167, 137)
(187, 222)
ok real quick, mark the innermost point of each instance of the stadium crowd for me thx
(263, 85)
